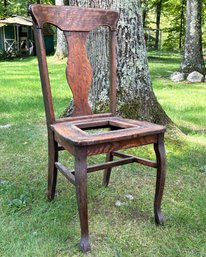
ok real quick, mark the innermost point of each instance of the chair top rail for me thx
(71, 18)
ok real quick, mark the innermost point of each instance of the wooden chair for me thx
(71, 133)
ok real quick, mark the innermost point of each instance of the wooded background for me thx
(167, 15)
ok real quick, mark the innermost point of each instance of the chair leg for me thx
(107, 172)
(52, 170)
(160, 180)
(81, 191)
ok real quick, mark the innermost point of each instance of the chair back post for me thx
(113, 76)
(44, 74)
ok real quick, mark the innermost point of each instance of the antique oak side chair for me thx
(72, 133)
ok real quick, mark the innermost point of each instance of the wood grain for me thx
(70, 18)
(79, 72)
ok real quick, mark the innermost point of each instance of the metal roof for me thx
(20, 20)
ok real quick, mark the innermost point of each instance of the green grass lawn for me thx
(33, 227)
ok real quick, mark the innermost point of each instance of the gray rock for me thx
(5, 126)
(177, 76)
(119, 203)
(195, 77)
(2, 182)
(129, 197)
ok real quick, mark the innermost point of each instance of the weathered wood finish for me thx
(160, 181)
(44, 75)
(68, 174)
(142, 161)
(126, 129)
(69, 18)
(81, 189)
(113, 77)
(79, 82)
(80, 134)
(107, 171)
(52, 170)
(88, 117)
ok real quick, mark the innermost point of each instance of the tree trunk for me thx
(193, 56)
(61, 47)
(158, 16)
(135, 96)
(182, 21)
(5, 8)
(144, 6)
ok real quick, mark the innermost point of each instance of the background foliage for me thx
(170, 21)
(19, 7)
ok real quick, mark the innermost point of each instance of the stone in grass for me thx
(5, 126)
(203, 169)
(119, 203)
(177, 76)
(2, 181)
(195, 77)
(129, 197)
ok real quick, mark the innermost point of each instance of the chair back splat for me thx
(85, 133)
(76, 23)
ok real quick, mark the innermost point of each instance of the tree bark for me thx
(182, 20)
(193, 56)
(61, 47)
(135, 96)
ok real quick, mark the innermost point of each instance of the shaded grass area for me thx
(31, 226)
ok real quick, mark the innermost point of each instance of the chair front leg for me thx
(160, 180)
(81, 191)
(52, 170)
(107, 172)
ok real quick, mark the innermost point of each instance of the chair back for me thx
(76, 23)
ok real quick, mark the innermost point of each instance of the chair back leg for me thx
(160, 180)
(107, 172)
(52, 170)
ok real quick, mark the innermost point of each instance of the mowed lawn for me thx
(33, 227)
